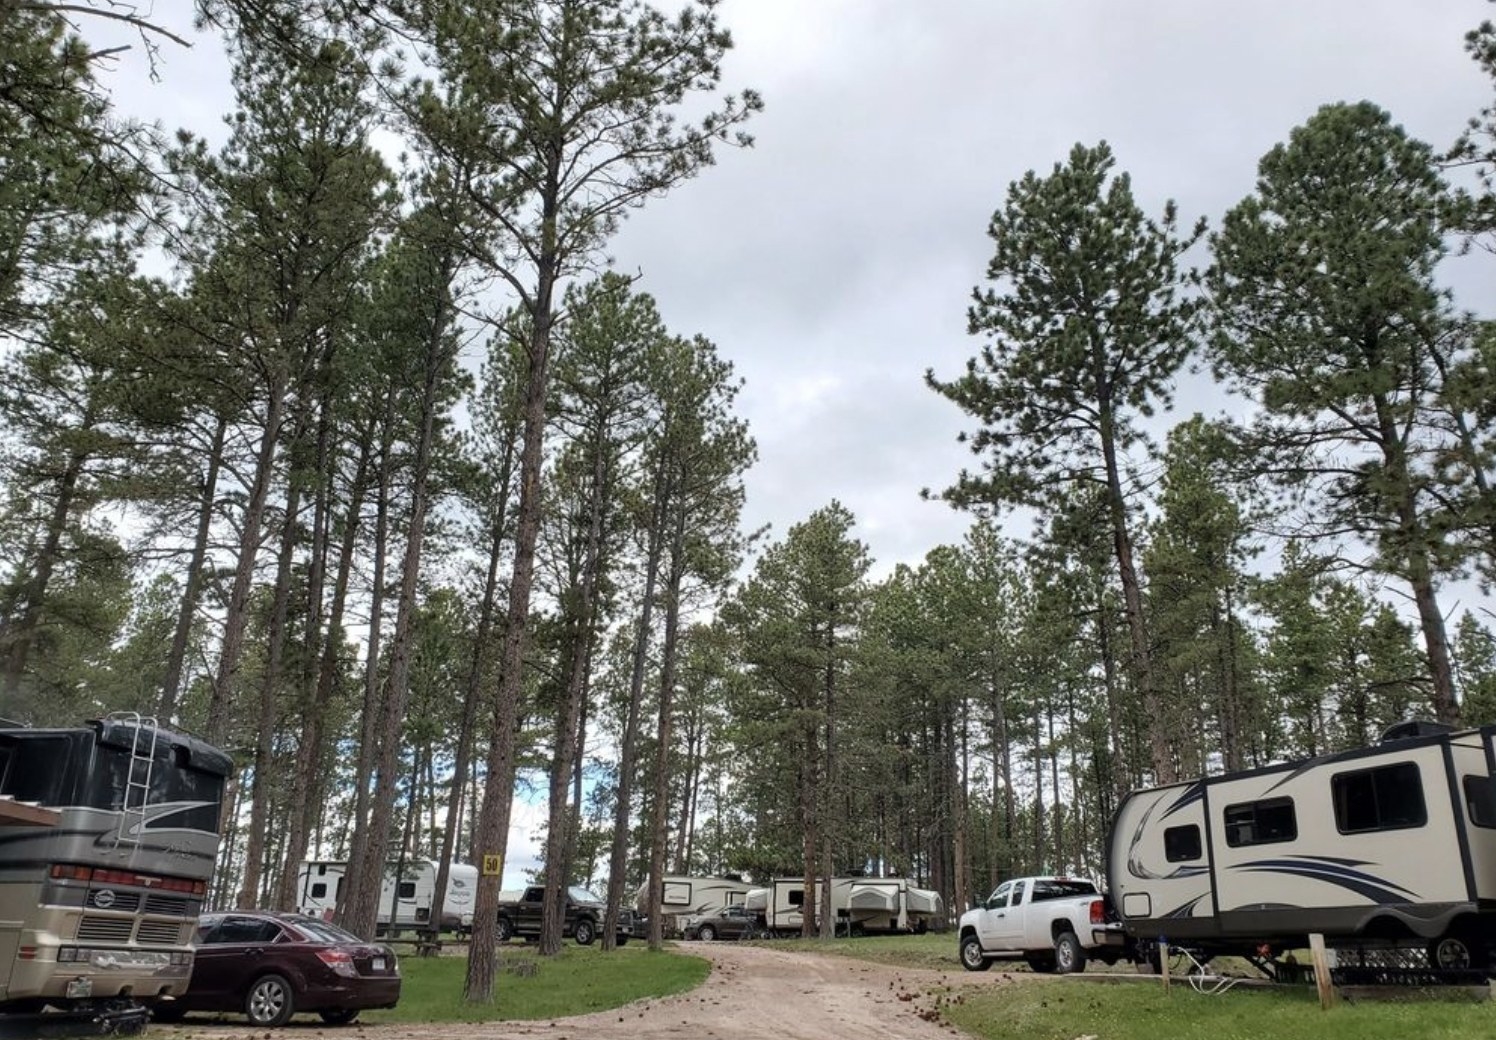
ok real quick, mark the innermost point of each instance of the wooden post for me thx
(1321, 970)
(1163, 962)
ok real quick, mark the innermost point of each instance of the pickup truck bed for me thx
(1052, 923)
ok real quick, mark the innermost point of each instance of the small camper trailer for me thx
(1391, 844)
(410, 892)
(683, 897)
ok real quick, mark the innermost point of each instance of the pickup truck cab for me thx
(1053, 923)
(520, 915)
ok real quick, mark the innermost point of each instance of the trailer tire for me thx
(1456, 951)
(1069, 954)
(972, 957)
(584, 932)
(339, 1016)
(270, 1001)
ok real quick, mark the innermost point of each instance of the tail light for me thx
(1098, 911)
(340, 961)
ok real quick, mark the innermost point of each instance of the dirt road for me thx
(752, 993)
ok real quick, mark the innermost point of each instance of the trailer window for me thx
(319, 890)
(1261, 823)
(1386, 798)
(1182, 843)
(407, 890)
(1480, 800)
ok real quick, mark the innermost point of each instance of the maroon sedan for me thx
(271, 966)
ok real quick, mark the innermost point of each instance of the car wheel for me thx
(270, 1001)
(707, 933)
(339, 1017)
(1069, 954)
(972, 958)
(506, 929)
(584, 932)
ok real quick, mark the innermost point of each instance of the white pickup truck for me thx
(1053, 923)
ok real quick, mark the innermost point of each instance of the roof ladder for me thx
(138, 783)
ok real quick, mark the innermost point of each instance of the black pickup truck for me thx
(519, 915)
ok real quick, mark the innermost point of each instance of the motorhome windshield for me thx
(170, 782)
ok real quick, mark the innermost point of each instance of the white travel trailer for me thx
(781, 903)
(1387, 845)
(683, 897)
(891, 905)
(411, 893)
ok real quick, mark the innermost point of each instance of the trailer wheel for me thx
(584, 932)
(1069, 954)
(1455, 951)
(270, 1001)
(972, 957)
(339, 1016)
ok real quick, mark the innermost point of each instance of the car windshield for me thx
(578, 894)
(321, 931)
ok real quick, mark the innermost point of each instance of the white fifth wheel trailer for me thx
(1393, 844)
(780, 903)
(411, 892)
(891, 904)
(683, 897)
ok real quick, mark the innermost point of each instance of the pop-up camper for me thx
(1394, 843)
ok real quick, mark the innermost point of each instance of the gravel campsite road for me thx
(753, 992)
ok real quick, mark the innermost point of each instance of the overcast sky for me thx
(832, 261)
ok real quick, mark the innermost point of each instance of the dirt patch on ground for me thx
(752, 992)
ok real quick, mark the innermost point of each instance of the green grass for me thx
(931, 950)
(1143, 1011)
(529, 986)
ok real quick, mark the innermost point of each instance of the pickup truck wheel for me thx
(506, 929)
(1043, 964)
(972, 958)
(1069, 954)
(584, 932)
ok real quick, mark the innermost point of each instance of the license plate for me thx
(379, 964)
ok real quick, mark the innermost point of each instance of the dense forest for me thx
(370, 470)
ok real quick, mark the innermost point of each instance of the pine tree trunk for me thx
(569, 716)
(358, 904)
(236, 619)
(493, 817)
(308, 774)
(264, 790)
(627, 766)
(660, 824)
(171, 683)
